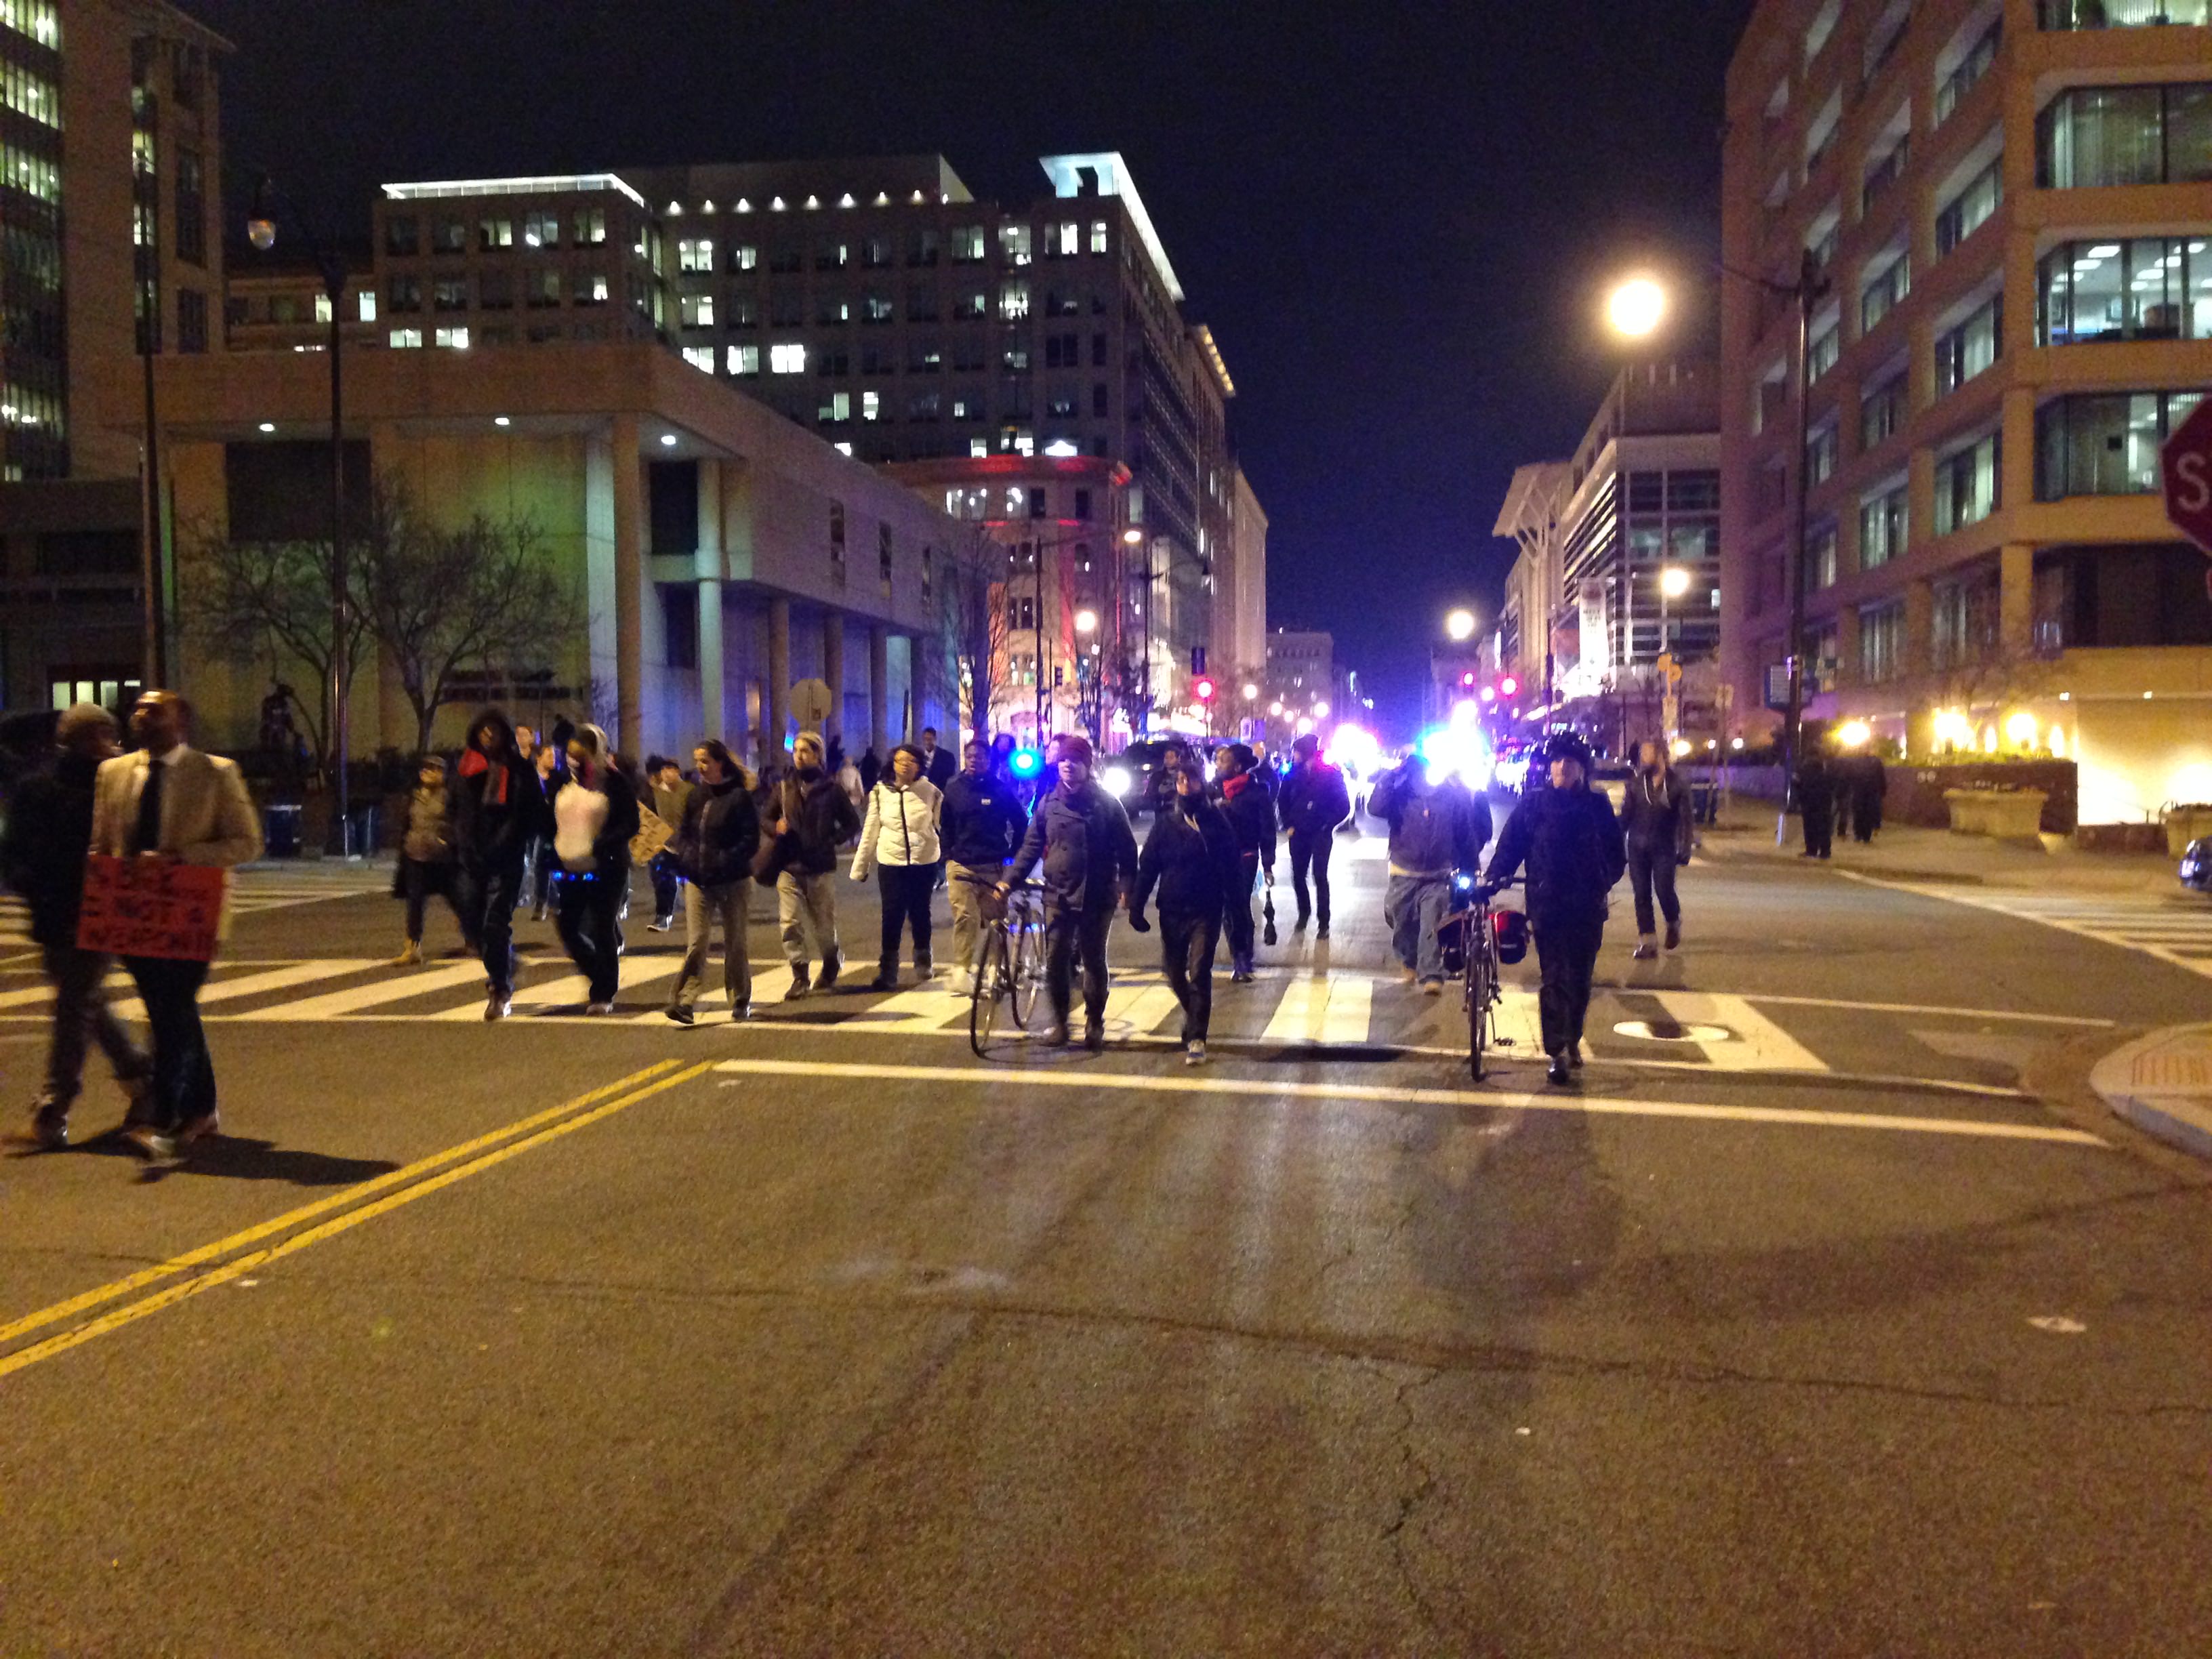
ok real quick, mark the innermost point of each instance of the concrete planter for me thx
(2185, 825)
(2000, 814)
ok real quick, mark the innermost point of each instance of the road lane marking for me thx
(2119, 923)
(1590, 1105)
(222, 1247)
(1138, 1009)
(253, 1261)
(1929, 1009)
(1754, 1042)
(398, 988)
(1331, 1010)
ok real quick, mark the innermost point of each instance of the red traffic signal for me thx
(1202, 689)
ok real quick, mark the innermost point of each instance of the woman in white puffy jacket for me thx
(899, 842)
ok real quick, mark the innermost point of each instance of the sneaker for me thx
(962, 985)
(1673, 935)
(1193, 1053)
(1094, 1037)
(151, 1144)
(1644, 951)
(1557, 1072)
(409, 954)
(50, 1128)
(208, 1123)
(1241, 977)
(538, 913)
(660, 924)
(678, 1012)
(597, 1009)
(1432, 988)
(832, 965)
(741, 1012)
(498, 1006)
(1056, 1038)
(800, 988)
(1321, 932)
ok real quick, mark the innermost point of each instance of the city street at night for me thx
(1831, 1313)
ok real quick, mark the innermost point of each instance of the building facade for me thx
(876, 302)
(1620, 547)
(718, 558)
(2009, 204)
(282, 302)
(1302, 689)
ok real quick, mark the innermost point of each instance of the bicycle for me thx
(1009, 965)
(1481, 984)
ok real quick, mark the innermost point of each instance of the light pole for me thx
(1136, 537)
(261, 231)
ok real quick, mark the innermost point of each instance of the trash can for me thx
(280, 831)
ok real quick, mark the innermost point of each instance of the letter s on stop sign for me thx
(2193, 483)
(2186, 462)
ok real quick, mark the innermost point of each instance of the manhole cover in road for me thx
(1666, 1031)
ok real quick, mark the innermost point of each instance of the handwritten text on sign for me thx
(150, 907)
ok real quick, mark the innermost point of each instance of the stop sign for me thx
(2187, 464)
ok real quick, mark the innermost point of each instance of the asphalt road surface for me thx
(1829, 1316)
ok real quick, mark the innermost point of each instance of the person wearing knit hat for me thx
(49, 827)
(1082, 837)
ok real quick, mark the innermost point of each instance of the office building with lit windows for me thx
(876, 302)
(110, 241)
(2010, 205)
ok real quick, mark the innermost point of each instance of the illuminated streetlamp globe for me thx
(1132, 538)
(1674, 581)
(1459, 625)
(1637, 308)
(1086, 621)
(1321, 711)
(1251, 692)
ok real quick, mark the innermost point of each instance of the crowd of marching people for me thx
(561, 824)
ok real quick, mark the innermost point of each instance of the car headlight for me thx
(1117, 780)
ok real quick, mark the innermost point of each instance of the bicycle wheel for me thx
(990, 990)
(1027, 967)
(1481, 972)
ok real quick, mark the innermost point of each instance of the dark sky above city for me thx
(1396, 217)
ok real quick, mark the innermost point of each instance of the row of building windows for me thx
(2122, 14)
(34, 19)
(2146, 289)
(449, 234)
(34, 175)
(30, 93)
(2097, 136)
(2106, 443)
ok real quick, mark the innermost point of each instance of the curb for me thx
(2162, 1084)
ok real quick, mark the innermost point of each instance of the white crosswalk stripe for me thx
(2177, 929)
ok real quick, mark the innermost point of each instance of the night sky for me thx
(1396, 218)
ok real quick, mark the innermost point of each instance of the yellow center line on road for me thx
(354, 1195)
(1593, 1105)
(250, 1262)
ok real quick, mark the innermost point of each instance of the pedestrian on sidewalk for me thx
(870, 767)
(1191, 855)
(549, 765)
(1815, 784)
(1571, 844)
(813, 818)
(1868, 782)
(1656, 819)
(938, 765)
(979, 827)
(1315, 802)
(714, 851)
(430, 863)
(171, 801)
(1251, 809)
(899, 842)
(42, 858)
(1438, 827)
(1081, 836)
(498, 811)
(593, 819)
(671, 794)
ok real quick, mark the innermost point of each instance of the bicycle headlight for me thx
(1117, 783)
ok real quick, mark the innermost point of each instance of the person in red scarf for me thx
(1250, 811)
(499, 810)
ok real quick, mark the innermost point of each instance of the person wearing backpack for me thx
(1438, 826)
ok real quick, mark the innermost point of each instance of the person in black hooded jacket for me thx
(714, 852)
(1191, 856)
(498, 812)
(814, 817)
(1570, 841)
(1251, 809)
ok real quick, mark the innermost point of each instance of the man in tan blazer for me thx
(167, 800)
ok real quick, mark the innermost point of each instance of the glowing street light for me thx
(1086, 621)
(1132, 538)
(1636, 308)
(1674, 581)
(1321, 710)
(1251, 692)
(1459, 625)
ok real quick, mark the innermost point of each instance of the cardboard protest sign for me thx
(150, 907)
(653, 833)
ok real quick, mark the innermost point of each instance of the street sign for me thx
(810, 703)
(2185, 464)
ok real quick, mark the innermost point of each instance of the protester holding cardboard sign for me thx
(169, 804)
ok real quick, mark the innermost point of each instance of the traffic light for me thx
(1198, 660)
(1202, 689)
(1467, 678)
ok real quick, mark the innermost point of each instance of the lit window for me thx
(742, 359)
(544, 288)
(1966, 485)
(1067, 239)
(599, 289)
(1014, 244)
(1966, 212)
(787, 358)
(695, 253)
(843, 447)
(698, 310)
(1884, 525)
(1965, 351)
(368, 305)
(1098, 236)
(743, 257)
(1821, 354)
(322, 307)
(495, 232)
(872, 406)
(700, 358)
(541, 230)
(458, 339)
(1013, 301)
(406, 337)
(587, 226)
(968, 242)
(835, 407)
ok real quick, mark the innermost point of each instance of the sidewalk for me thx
(2163, 1085)
(1745, 833)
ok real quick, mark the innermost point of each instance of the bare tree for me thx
(266, 604)
(972, 598)
(479, 596)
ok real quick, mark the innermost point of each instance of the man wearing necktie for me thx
(168, 801)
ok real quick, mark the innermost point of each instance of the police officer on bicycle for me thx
(1571, 841)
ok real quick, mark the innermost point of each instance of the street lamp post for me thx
(261, 231)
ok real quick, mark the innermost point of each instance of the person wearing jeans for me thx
(899, 841)
(1315, 802)
(813, 818)
(498, 809)
(1191, 856)
(1656, 819)
(979, 826)
(49, 826)
(1081, 837)
(713, 851)
(593, 821)
(1436, 827)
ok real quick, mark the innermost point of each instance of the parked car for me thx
(2197, 865)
